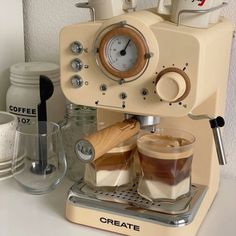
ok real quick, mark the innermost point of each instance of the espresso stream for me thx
(165, 159)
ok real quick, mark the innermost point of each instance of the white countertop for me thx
(22, 214)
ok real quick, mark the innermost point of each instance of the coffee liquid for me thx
(170, 172)
(165, 159)
(114, 161)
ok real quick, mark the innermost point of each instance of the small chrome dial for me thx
(76, 47)
(77, 65)
(77, 81)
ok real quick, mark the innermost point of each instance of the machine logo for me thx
(118, 223)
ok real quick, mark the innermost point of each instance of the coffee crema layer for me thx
(164, 147)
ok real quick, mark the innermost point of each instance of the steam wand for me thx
(216, 124)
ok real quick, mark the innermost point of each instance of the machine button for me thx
(76, 47)
(144, 92)
(77, 81)
(77, 65)
(123, 96)
(172, 85)
(103, 87)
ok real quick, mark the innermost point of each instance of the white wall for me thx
(230, 129)
(11, 50)
(45, 18)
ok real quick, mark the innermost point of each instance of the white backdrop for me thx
(11, 42)
(45, 18)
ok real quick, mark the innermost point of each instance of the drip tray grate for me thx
(177, 212)
(132, 198)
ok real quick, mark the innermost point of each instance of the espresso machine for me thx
(171, 75)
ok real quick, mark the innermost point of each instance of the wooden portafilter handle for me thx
(94, 146)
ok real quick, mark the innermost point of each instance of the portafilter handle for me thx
(216, 124)
(94, 146)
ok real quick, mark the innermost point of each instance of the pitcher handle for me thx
(162, 8)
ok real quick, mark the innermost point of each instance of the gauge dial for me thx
(122, 52)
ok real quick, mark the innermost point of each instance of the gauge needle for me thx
(123, 52)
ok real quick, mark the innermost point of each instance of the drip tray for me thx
(171, 213)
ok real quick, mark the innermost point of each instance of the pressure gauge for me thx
(123, 52)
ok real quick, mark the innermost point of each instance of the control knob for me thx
(172, 85)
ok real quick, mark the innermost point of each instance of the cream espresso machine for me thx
(149, 68)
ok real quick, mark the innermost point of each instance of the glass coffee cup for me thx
(114, 169)
(165, 159)
(42, 156)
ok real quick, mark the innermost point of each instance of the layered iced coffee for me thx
(114, 169)
(165, 159)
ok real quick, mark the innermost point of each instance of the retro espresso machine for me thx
(173, 72)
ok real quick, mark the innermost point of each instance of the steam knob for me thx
(172, 85)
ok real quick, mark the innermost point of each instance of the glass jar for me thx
(23, 94)
(79, 121)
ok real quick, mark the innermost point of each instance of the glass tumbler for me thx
(165, 158)
(44, 162)
(114, 170)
